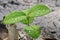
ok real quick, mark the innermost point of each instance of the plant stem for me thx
(28, 21)
(13, 33)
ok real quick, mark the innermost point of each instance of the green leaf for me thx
(33, 31)
(38, 10)
(25, 11)
(25, 20)
(14, 17)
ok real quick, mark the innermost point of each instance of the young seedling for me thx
(26, 17)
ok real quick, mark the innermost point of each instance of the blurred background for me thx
(50, 23)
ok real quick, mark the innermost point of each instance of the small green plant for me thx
(26, 17)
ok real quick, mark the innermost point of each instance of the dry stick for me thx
(13, 33)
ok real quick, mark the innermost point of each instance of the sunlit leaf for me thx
(39, 10)
(33, 31)
(25, 11)
(21, 16)
(25, 21)
(14, 17)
